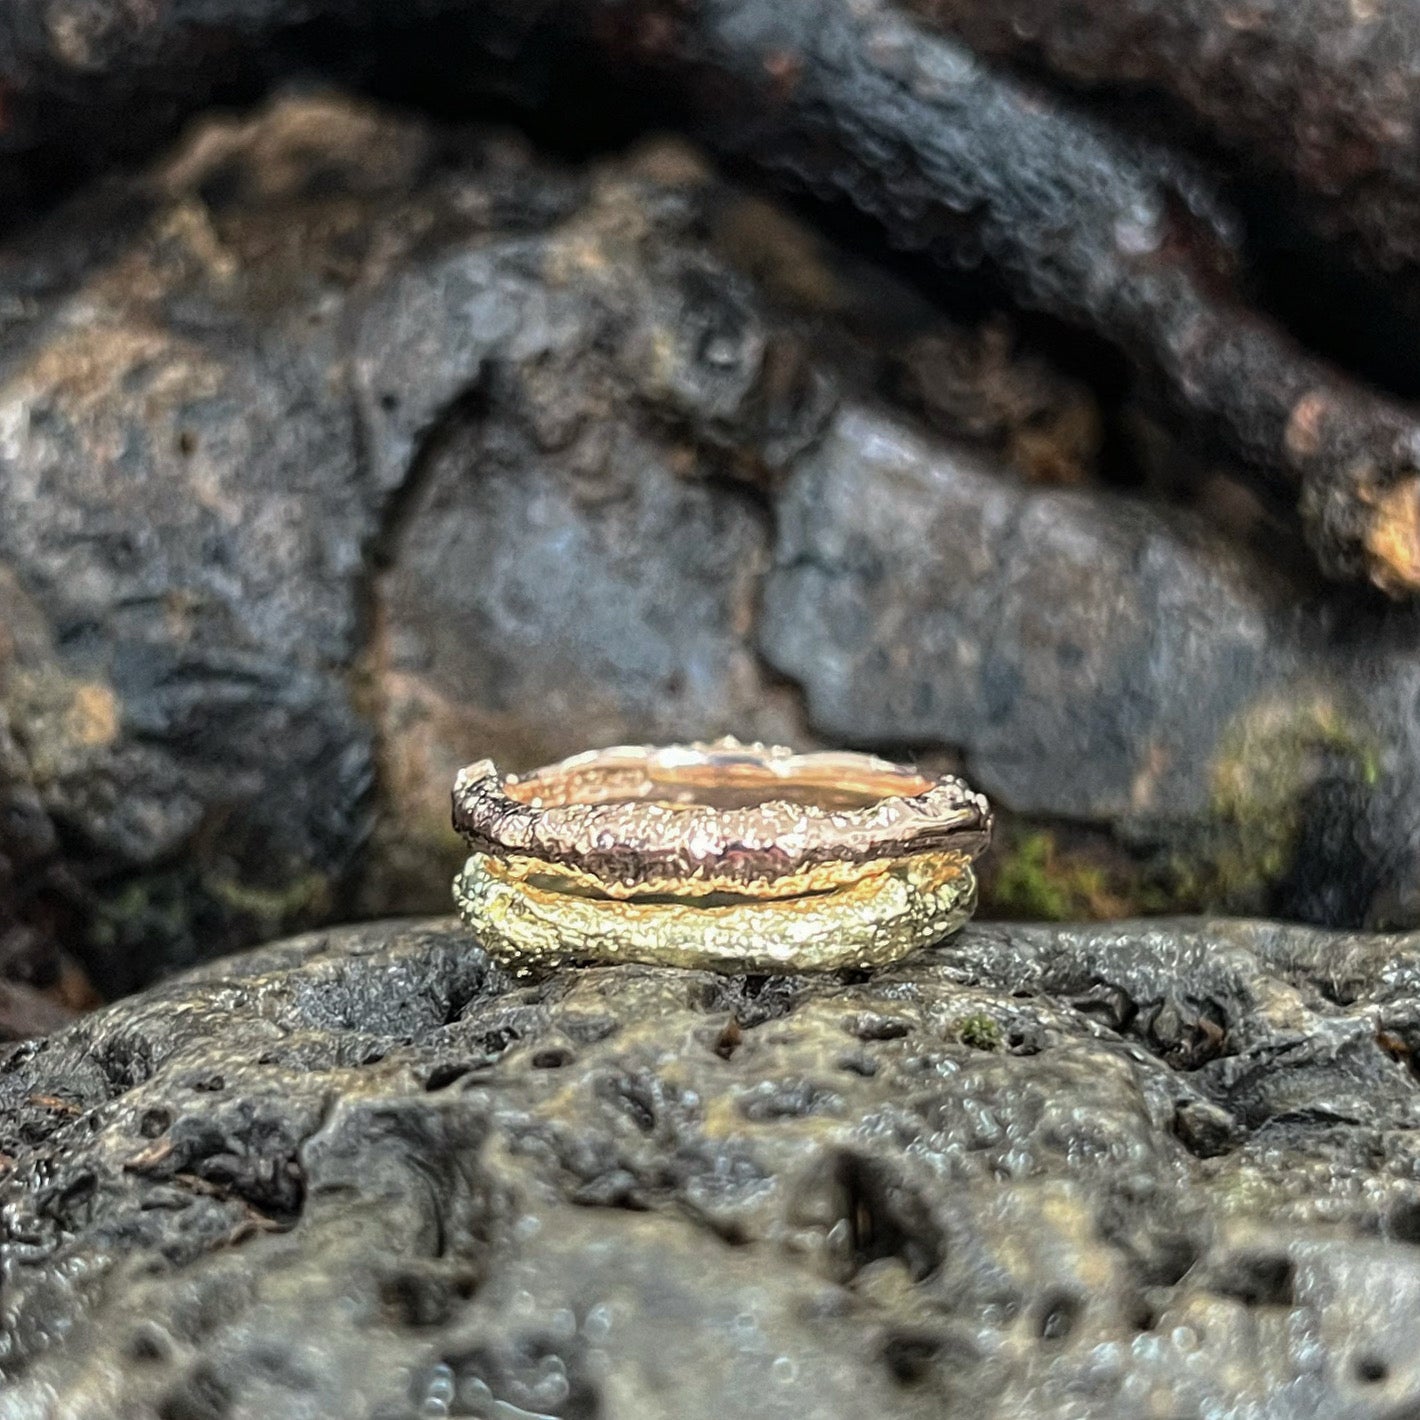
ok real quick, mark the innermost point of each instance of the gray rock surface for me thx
(1104, 662)
(183, 524)
(309, 449)
(1150, 1168)
(339, 448)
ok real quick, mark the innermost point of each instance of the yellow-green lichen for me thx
(144, 908)
(304, 898)
(171, 914)
(1267, 761)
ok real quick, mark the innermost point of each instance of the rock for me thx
(1108, 663)
(340, 448)
(565, 567)
(295, 455)
(1161, 1167)
(184, 520)
(25, 1012)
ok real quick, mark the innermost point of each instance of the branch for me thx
(852, 100)
(1327, 91)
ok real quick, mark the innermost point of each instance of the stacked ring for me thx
(728, 856)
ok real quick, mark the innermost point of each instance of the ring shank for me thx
(866, 924)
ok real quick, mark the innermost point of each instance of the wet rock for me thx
(1165, 1166)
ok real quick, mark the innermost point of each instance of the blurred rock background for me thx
(381, 389)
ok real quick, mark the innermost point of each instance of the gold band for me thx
(725, 855)
(878, 919)
(708, 888)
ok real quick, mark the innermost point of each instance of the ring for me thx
(727, 856)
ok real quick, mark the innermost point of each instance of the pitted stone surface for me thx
(1164, 1168)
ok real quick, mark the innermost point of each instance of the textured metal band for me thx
(638, 819)
(881, 918)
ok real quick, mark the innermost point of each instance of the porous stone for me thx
(1145, 1168)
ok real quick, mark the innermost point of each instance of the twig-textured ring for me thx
(730, 856)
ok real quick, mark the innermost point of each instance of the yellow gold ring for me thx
(727, 856)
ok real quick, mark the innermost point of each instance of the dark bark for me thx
(1326, 91)
(852, 101)
(856, 102)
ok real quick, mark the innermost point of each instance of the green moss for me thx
(979, 1031)
(176, 917)
(1030, 875)
(1231, 857)
(1024, 886)
(146, 907)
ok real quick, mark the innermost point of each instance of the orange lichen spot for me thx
(1393, 541)
(1303, 433)
(93, 715)
(1144, 789)
(669, 162)
(54, 1104)
(783, 66)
